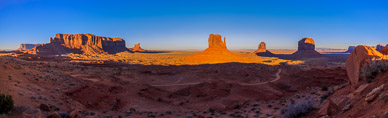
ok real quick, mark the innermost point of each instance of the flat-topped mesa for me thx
(261, 48)
(306, 49)
(306, 44)
(379, 47)
(216, 42)
(27, 46)
(137, 48)
(90, 43)
(80, 44)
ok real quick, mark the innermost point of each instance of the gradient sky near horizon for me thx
(186, 24)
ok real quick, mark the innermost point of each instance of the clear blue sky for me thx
(186, 24)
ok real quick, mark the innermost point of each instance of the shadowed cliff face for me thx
(306, 44)
(27, 46)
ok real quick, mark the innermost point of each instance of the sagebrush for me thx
(299, 108)
(372, 69)
(6, 103)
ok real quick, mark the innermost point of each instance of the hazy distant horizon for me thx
(183, 25)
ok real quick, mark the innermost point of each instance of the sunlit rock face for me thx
(360, 55)
(137, 48)
(27, 46)
(261, 48)
(306, 44)
(216, 42)
(215, 53)
(80, 44)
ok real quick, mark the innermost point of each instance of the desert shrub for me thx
(298, 109)
(324, 88)
(372, 69)
(6, 103)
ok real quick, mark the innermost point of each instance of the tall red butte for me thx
(80, 44)
(215, 53)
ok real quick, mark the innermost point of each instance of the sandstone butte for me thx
(306, 49)
(137, 48)
(261, 48)
(80, 44)
(357, 59)
(385, 50)
(27, 46)
(350, 49)
(262, 51)
(215, 53)
(379, 47)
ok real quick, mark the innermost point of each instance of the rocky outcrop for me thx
(262, 48)
(137, 48)
(306, 49)
(385, 50)
(80, 43)
(262, 51)
(306, 44)
(215, 53)
(350, 49)
(357, 59)
(27, 46)
(379, 47)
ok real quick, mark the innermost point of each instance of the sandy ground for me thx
(161, 85)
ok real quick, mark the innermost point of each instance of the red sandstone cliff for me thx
(80, 43)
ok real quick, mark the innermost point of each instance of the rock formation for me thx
(356, 59)
(262, 50)
(137, 48)
(80, 43)
(306, 49)
(350, 49)
(27, 46)
(379, 47)
(215, 53)
(385, 50)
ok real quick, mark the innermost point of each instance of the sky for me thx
(186, 24)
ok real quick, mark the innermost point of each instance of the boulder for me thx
(27, 46)
(327, 108)
(80, 43)
(137, 48)
(385, 50)
(379, 47)
(350, 49)
(306, 49)
(355, 61)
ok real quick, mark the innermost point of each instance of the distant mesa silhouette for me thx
(262, 51)
(215, 53)
(26, 46)
(350, 49)
(306, 49)
(379, 47)
(355, 61)
(80, 44)
(385, 50)
(137, 48)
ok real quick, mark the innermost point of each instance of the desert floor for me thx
(164, 85)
